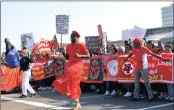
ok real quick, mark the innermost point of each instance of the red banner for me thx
(126, 69)
(165, 70)
(86, 70)
(97, 69)
(10, 77)
(110, 66)
(159, 71)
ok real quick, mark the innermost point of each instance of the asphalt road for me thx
(52, 100)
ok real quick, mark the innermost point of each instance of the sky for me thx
(39, 18)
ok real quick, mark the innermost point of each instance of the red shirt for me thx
(78, 48)
(141, 57)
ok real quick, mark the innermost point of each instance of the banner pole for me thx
(61, 41)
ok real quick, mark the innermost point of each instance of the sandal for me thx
(77, 106)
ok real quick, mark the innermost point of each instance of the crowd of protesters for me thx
(12, 58)
(159, 90)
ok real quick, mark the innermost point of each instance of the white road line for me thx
(158, 106)
(38, 104)
(91, 96)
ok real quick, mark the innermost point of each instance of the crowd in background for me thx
(109, 88)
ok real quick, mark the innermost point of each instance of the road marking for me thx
(38, 104)
(91, 96)
(158, 106)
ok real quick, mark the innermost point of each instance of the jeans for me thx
(170, 90)
(144, 74)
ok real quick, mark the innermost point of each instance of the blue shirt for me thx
(13, 58)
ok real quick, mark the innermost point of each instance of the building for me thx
(159, 30)
(167, 15)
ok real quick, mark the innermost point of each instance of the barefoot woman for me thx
(69, 83)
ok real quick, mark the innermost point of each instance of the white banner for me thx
(138, 32)
(27, 40)
(62, 24)
(132, 33)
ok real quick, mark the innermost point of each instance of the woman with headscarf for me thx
(69, 83)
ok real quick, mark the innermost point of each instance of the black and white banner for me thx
(62, 24)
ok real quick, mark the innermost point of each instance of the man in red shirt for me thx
(69, 83)
(140, 53)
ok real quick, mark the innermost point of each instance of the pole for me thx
(61, 41)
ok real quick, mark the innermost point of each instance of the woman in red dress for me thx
(69, 83)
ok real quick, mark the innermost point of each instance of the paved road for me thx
(51, 100)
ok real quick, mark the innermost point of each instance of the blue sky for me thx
(39, 18)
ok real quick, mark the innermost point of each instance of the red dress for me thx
(69, 83)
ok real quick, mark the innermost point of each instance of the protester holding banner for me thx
(128, 48)
(140, 53)
(168, 49)
(161, 48)
(110, 85)
(69, 83)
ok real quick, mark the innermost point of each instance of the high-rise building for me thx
(167, 15)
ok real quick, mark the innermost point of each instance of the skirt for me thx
(69, 83)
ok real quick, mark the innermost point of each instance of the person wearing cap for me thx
(26, 75)
(140, 53)
(69, 83)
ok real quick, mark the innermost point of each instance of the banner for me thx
(157, 70)
(165, 70)
(110, 68)
(58, 67)
(100, 31)
(138, 32)
(62, 24)
(96, 69)
(86, 70)
(93, 42)
(27, 40)
(10, 77)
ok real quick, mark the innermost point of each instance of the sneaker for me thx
(161, 96)
(50, 88)
(53, 89)
(44, 88)
(107, 93)
(167, 98)
(32, 95)
(150, 99)
(22, 96)
(172, 98)
(128, 94)
(113, 92)
(40, 88)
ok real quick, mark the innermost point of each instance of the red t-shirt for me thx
(78, 48)
(141, 57)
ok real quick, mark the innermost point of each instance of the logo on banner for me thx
(127, 68)
(59, 67)
(48, 69)
(112, 67)
(95, 71)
